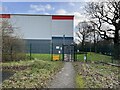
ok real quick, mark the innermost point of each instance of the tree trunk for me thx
(83, 41)
(116, 51)
(94, 42)
(116, 39)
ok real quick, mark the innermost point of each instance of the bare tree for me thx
(95, 39)
(106, 14)
(83, 32)
(95, 36)
(12, 45)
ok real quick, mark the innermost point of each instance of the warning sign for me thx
(56, 57)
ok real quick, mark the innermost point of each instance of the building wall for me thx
(58, 42)
(62, 25)
(41, 30)
(38, 46)
(62, 32)
(33, 27)
(43, 26)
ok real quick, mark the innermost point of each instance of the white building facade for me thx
(42, 31)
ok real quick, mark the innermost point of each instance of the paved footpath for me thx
(65, 78)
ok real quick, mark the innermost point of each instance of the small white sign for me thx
(61, 48)
(57, 47)
(85, 57)
(59, 52)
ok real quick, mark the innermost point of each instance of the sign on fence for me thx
(56, 57)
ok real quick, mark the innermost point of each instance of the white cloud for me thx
(39, 8)
(78, 17)
(49, 7)
(61, 11)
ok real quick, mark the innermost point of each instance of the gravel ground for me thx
(65, 78)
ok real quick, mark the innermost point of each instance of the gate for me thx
(69, 53)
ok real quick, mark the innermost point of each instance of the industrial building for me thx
(45, 33)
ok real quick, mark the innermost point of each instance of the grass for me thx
(91, 56)
(93, 75)
(79, 81)
(36, 75)
(39, 56)
(44, 56)
(105, 69)
(17, 63)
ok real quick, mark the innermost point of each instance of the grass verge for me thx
(92, 57)
(47, 57)
(35, 75)
(79, 81)
(91, 75)
(42, 56)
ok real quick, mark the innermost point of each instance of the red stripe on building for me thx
(4, 15)
(62, 17)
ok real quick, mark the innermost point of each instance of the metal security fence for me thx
(116, 53)
(69, 52)
(38, 52)
(102, 52)
(62, 49)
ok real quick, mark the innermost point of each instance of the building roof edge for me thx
(22, 14)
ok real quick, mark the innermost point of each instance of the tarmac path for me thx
(64, 78)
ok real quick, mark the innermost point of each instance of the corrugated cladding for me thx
(38, 46)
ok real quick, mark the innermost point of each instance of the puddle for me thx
(5, 75)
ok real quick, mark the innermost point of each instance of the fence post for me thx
(11, 52)
(30, 51)
(75, 52)
(62, 52)
(51, 51)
